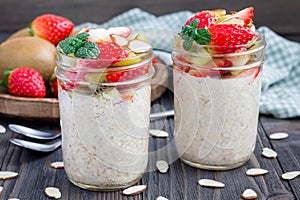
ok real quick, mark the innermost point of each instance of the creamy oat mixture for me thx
(216, 119)
(105, 136)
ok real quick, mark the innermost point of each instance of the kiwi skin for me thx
(24, 32)
(31, 52)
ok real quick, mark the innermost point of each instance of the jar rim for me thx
(76, 64)
(258, 40)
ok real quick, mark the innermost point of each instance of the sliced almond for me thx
(134, 190)
(1, 189)
(233, 21)
(57, 165)
(269, 153)
(53, 192)
(220, 12)
(161, 198)
(211, 183)
(158, 133)
(256, 172)
(13, 199)
(290, 175)
(162, 166)
(2, 129)
(133, 36)
(4, 175)
(119, 40)
(249, 194)
(138, 46)
(278, 136)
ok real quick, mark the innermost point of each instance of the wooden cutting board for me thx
(47, 109)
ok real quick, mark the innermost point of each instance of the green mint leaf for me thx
(194, 23)
(187, 44)
(83, 36)
(88, 50)
(70, 45)
(186, 32)
(203, 36)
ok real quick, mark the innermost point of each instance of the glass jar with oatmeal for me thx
(216, 92)
(104, 106)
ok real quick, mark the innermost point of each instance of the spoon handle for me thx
(32, 133)
(36, 146)
(159, 115)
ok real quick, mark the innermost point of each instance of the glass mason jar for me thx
(217, 92)
(104, 124)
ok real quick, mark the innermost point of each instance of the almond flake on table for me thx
(53, 192)
(158, 133)
(162, 166)
(269, 153)
(134, 190)
(290, 175)
(249, 194)
(2, 129)
(211, 183)
(1, 189)
(57, 165)
(256, 172)
(278, 136)
(5, 175)
(161, 198)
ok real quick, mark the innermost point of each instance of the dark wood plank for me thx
(287, 149)
(281, 16)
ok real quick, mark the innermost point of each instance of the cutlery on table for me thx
(32, 133)
(36, 146)
(41, 135)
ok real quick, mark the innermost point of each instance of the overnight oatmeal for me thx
(217, 62)
(104, 97)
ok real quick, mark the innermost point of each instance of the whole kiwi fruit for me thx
(31, 52)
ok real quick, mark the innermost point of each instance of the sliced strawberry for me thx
(26, 82)
(120, 31)
(222, 62)
(238, 34)
(53, 85)
(206, 18)
(254, 72)
(245, 14)
(72, 79)
(128, 75)
(204, 73)
(51, 27)
(111, 53)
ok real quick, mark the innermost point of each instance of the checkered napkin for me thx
(281, 72)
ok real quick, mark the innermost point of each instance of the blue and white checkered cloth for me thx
(281, 72)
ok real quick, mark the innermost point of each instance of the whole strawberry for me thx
(26, 82)
(51, 27)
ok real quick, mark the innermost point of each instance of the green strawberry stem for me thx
(4, 82)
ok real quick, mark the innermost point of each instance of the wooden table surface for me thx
(180, 182)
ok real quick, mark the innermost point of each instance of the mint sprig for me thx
(79, 47)
(190, 33)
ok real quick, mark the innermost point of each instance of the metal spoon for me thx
(32, 133)
(36, 146)
(160, 115)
